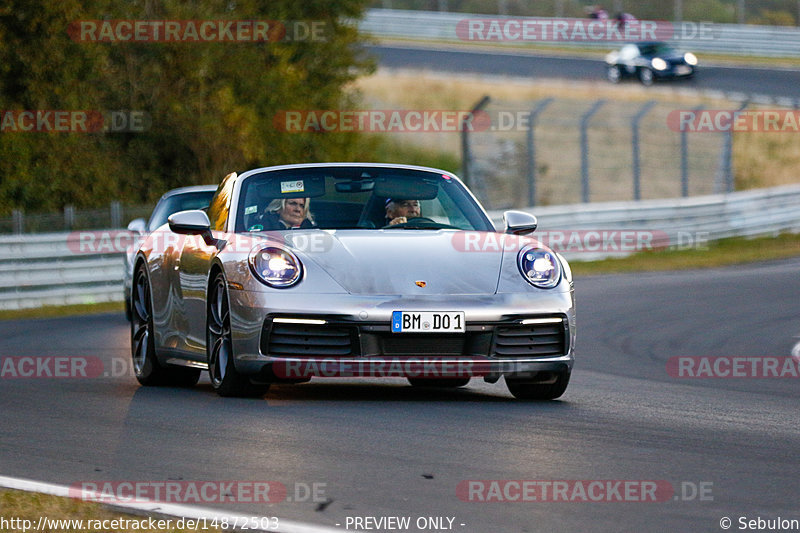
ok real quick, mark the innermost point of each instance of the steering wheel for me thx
(423, 222)
(413, 220)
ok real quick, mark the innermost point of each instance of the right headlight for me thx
(275, 266)
(539, 266)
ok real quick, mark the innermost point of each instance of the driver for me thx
(400, 211)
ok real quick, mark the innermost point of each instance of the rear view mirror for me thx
(355, 186)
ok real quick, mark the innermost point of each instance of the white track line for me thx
(183, 511)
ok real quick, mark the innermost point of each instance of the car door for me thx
(193, 267)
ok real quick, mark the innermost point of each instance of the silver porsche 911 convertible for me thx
(350, 270)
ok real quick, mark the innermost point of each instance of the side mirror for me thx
(519, 222)
(137, 226)
(192, 222)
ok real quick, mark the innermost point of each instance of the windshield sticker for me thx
(292, 186)
(250, 209)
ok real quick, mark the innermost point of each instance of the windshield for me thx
(656, 49)
(178, 202)
(365, 198)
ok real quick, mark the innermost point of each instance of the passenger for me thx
(288, 213)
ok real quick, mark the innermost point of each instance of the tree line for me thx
(106, 100)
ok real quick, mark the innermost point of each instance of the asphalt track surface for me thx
(747, 81)
(381, 448)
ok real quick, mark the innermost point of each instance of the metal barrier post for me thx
(637, 189)
(69, 216)
(466, 125)
(532, 171)
(727, 171)
(685, 158)
(18, 221)
(116, 215)
(585, 149)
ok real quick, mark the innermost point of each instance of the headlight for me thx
(690, 58)
(539, 266)
(658, 63)
(276, 267)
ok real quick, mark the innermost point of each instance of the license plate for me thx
(428, 322)
(683, 69)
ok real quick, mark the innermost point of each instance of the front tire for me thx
(646, 76)
(225, 379)
(548, 390)
(613, 74)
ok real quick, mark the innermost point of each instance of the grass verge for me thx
(62, 310)
(725, 252)
(31, 506)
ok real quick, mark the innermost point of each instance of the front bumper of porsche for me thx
(278, 335)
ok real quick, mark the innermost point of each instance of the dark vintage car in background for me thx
(649, 61)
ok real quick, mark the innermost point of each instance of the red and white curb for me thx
(168, 509)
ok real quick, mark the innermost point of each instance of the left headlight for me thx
(540, 267)
(658, 63)
(690, 58)
(276, 267)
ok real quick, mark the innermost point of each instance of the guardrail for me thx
(677, 223)
(732, 39)
(58, 269)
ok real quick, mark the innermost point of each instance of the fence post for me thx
(585, 149)
(637, 188)
(17, 221)
(69, 216)
(116, 214)
(466, 126)
(727, 154)
(532, 149)
(685, 157)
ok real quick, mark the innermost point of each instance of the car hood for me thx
(398, 261)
